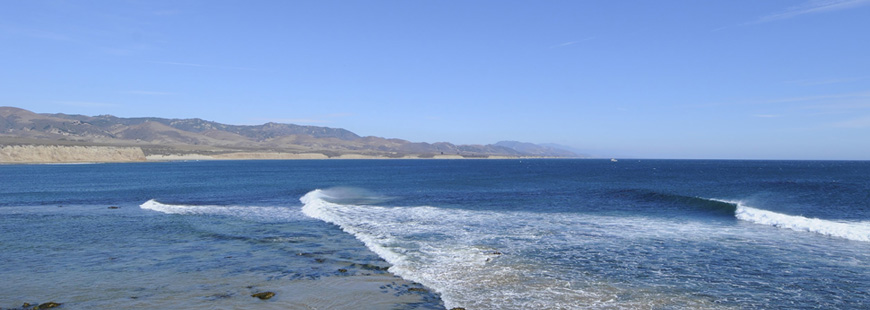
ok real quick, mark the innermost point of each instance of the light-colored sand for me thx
(68, 154)
(236, 156)
(358, 156)
(448, 157)
(264, 155)
(178, 157)
(26, 154)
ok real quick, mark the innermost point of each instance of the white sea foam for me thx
(479, 259)
(858, 231)
(270, 214)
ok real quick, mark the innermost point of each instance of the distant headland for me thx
(28, 137)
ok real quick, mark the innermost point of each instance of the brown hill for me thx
(160, 136)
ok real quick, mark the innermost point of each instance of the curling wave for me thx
(858, 231)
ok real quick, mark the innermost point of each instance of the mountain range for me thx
(161, 136)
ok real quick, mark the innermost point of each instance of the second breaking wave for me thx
(857, 231)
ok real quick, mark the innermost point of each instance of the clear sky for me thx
(657, 79)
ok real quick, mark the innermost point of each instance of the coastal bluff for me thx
(20, 154)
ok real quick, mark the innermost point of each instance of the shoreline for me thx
(63, 154)
(320, 156)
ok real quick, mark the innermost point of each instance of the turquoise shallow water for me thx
(479, 234)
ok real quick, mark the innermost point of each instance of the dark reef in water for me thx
(29, 306)
(263, 295)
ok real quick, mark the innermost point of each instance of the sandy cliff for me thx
(68, 154)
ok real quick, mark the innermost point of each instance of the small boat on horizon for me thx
(613, 160)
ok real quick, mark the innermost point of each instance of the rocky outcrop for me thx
(68, 154)
(263, 295)
(47, 305)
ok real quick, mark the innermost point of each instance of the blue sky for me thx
(654, 79)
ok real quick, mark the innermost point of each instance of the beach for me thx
(59, 154)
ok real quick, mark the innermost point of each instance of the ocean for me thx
(437, 234)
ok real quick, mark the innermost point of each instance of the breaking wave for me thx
(858, 231)
(468, 256)
(854, 230)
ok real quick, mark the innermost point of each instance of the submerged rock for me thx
(418, 289)
(47, 305)
(370, 267)
(114, 207)
(220, 296)
(342, 270)
(263, 295)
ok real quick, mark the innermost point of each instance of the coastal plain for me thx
(52, 154)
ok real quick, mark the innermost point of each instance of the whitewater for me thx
(405, 234)
(481, 260)
(854, 230)
(474, 259)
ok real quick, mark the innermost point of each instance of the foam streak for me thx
(269, 214)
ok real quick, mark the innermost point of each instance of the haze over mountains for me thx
(160, 136)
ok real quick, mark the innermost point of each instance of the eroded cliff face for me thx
(68, 154)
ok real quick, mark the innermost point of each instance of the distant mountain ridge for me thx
(175, 136)
(260, 132)
(538, 149)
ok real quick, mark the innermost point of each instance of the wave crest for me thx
(858, 231)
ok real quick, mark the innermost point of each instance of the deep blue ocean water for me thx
(479, 234)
